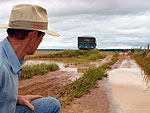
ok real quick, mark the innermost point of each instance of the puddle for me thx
(62, 66)
(129, 90)
(73, 72)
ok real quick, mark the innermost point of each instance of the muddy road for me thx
(124, 91)
(113, 95)
(45, 85)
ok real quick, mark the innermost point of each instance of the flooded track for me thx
(95, 102)
(45, 85)
(129, 89)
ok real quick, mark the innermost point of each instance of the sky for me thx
(115, 24)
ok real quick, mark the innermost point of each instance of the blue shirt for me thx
(10, 69)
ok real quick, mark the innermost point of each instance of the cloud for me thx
(100, 7)
(114, 23)
(76, 7)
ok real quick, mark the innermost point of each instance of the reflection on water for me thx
(62, 66)
(128, 88)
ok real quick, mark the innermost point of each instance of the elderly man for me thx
(26, 28)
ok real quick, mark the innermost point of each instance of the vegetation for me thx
(40, 52)
(30, 71)
(68, 53)
(84, 84)
(143, 59)
(75, 57)
(71, 53)
(114, 59)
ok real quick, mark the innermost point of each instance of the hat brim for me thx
(45, 31)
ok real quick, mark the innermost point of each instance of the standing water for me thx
(75, 71)
(60, 64)
(129, 89)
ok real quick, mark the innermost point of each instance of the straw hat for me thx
(29, 17)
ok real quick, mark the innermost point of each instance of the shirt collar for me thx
(15, 63)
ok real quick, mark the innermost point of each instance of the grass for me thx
(71, 53)
(84, 84)
(66, 54)
(114, 59)
(41, 52)
(30, 71)
(95, 57)
(143, 60)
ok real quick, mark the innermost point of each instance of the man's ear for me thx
(33, 34)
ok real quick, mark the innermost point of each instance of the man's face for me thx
(34, 43)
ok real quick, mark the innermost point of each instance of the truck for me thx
(86, 42)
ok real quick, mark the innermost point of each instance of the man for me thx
(26, 28)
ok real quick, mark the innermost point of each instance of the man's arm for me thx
(25, 100)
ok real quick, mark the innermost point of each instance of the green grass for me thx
(84, 84)
(30, 71)
(81, 86)
(114, 59)
(95, 57)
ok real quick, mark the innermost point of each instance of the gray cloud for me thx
(100, 7)
(114, 23)
(76, 7)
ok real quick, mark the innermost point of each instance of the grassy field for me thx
(41, 52)
(84, 84)
(75, 57)
(67, 54)
(107, 52)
